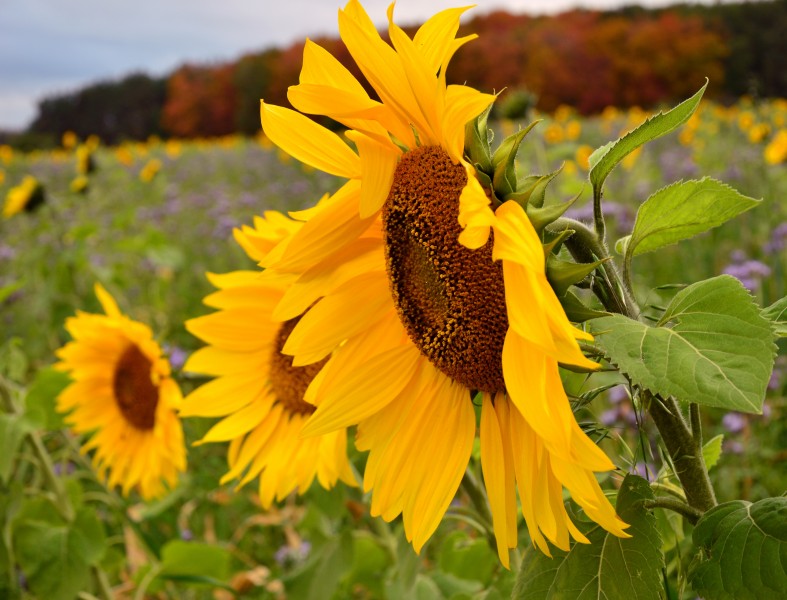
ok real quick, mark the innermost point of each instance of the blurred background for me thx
(130, 147)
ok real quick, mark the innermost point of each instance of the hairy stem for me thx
(692, 514)
(683, 448)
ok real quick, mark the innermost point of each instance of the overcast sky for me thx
(50, 46)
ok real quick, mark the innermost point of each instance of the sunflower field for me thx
(443, 353)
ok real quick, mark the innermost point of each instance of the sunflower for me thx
(27, 196)
(123, 395)
(446, 297)
(257, 390)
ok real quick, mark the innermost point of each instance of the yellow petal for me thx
(215, 361)
(107, 301)
(493, 465)
(364, 393)
(310, 143)
(462, 105)
(223, 396)
(241, 422)
(353, 308)
(334, 226)
(378, 163)
(435, 37)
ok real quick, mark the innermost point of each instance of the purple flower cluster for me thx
(620, 412)
(288, 555)
(677, 163)
(749, 272)
(778, 241)
(622, 214)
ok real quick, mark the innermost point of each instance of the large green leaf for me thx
(180, 559)
(52, 559)
(609, 567)
(712, 347)
(41, 395)
(682, 210)
(604, 159)
(776, 313)
(743, 551)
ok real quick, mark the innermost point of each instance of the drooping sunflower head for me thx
(124, 398)
(27, 196)
(257, 390)
(434, 288)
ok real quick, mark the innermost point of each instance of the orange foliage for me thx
(585, 59)
(201, 101)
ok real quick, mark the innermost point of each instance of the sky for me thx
(56, 46)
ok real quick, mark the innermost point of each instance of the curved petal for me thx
(310, 143)
(378, 163)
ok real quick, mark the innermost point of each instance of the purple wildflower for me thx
(734, 422)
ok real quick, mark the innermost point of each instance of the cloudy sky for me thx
(50, 46)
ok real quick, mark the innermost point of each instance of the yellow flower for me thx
(758, 132)
(150, 170)
(573, 129)
(416, 306)
(6, 153)
(79, 184)
(776, 151)
(745, 120)
(26, 196)
(124, 156)
(124, 397)
(582, 156)
(258, 392)
(554, 134)
(173, 148)
(69, 140)
(85, 162)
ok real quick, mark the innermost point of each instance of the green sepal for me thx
(562, 274)
(484, 179)
(543, 216)
(504, 162)
(531, 190)
(553, 245)
(477, 138)
(576, 310)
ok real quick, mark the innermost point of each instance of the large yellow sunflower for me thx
(418, 306)
(257, 391)
(123, 395)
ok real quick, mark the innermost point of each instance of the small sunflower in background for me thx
(27, 196)
(79, 184)
(257, 391)
(86, 164)
(124, 398)
(421, 294)
(150, 170)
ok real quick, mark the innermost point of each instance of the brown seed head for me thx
(450, 299)
(135, 393)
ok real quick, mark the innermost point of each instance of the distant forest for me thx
(587, 59)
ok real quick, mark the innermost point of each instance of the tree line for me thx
(587, 59)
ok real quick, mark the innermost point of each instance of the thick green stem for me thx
(684, 449)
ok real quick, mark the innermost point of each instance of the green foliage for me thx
(742, 549)
(56, 556)
(776, 313)
(194, 563)
(13, 429)
(604, 159)
(41, 396)
(711, 346)
(608, 567)
(680, 211)
(711, 451)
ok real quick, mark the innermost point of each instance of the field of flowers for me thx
(148, 220)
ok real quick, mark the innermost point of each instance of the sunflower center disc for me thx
(135, 393)
(287, 382)
(450, 299)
